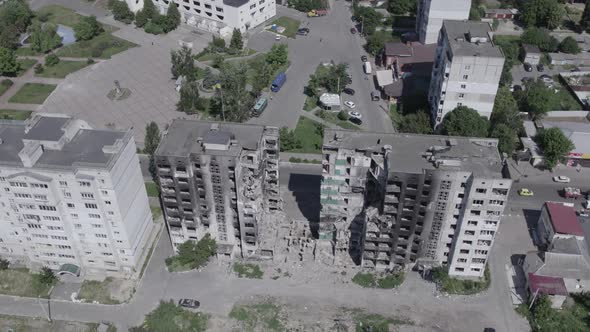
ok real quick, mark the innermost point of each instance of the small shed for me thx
(330, 102)
(501, 13)
(532, 54)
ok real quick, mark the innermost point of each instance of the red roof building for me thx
(546, 285)
(564, 219)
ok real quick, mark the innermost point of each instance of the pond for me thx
(65, 32)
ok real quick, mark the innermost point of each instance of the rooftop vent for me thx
(215, 126)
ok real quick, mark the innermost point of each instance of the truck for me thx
(278, 82)
(571, 192)
(317, 12)
(367, 67)
(260, 106)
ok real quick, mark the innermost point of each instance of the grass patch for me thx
(209, 56)
(572, 317)
(251, 271)
(26, 324)
(251, 64)
(156, 212)
(27, 51)
(291, 25)
(32, 93)
(152, 189)
(149, 255)
(310, 134)
(21, 282)
(98, 291)
(59, 15)
(376, 323)
(452, 285)
(333, 118)
(396, 117)
(7, 114)
(310, 103)
(25, 65)
(103, 46)
(62, 69)
(258, 317)
(563, 100)
(169, 317)
(384, 281)
(5, 84)
(304, 161)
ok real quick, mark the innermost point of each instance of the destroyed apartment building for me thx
(221, 179)
(392, 200)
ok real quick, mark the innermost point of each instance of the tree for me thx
(46, 276)
(121, 12)
(15, 14)
(51, 60)
(4, 264)
(149, 9)
(506, 138)
(172, 17)
(416, 123)
(540, 37)
(465, 121)
(152, 138)
(278, 55)
(217, 45)
(375, 43)
(401, 7)
(233, 101)
(369, 19)
(569, 45)
(189, 102)
(555, 145)
(262, 75)
(505, 110)
(585, 19)
(87, 28)
(141, 19)
(195, 254)
(182, 62)
(542, 13)
(306, 5)
(537, 100)
(342, 115)
(236, 42)
(8, 64)
(288, 140)
(209, 79)
(44, 37)
(8, 37)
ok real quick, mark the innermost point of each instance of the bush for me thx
(342, 115)
(4, 264)
(452, 285)
(46, 276)
(38, 68)
(192, 255)
(251, 271)
(90, 61)
(87, 28)
(6, 82)
(51, 60)
(385, 281)
(153, 28)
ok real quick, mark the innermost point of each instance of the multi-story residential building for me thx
(467, 69)
(71, 195)
(393, 199)
(219, 16)
(221, 179)
(431, 13)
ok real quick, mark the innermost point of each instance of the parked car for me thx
(189, 303)
(353, 30)
(546, 78)
(516, 88)
(561, 179)
(356, 121)
(364, 58)
(277, 37)
(528, 67)
(571, 192)
(525, 192)
(349, 91)
(540, 67)
(303, 31)
(349, 104)
(354, 114)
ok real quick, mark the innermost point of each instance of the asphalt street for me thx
(329, 40)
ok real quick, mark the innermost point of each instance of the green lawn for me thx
(5, 84)
(32, 93)
(291, 25)
(152, 189)
(384, 281)
(333, 118)
(170, 317)
(34, 324)
(564, 101)
(156, 212)
(309, 133)
(25, 64)
(452, 285)
(259, 317)
(98, 291)
(251, 271)
(8, 114)
(102, 46)
(27, 51)
(310, 103)
(62, 69)
(377, 322)
(20, 282)
(210, 56)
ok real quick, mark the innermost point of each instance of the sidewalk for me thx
(316, 118)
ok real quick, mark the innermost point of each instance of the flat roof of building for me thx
(84, 148)
(459, 34)
(547, 285)
(477, 155)
(183, 137)
(564, 219)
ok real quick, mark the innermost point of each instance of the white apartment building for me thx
(431, 13)
(218, 16)
(467, 69)
(71, 196)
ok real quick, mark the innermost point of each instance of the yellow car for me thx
(525, 192)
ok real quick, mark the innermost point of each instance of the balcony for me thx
(392, 188)
(166, 181)
(169, 199)
(168, 190)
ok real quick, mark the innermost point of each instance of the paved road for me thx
(329, 40)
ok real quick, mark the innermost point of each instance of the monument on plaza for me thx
(118, 93)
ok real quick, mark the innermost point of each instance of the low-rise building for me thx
(532, 54)
(560, 59)
(72, 197)
(500, 14)
(331, 102)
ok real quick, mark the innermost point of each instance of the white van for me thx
(367, 67)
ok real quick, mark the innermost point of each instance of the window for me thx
(78, 225)
(40, 197)
(487, 232)
(110, 213)
(39, 185)
(41, 236)
(58, 237)
(66, 256)
(91, 206)
(464, 251)
(51, 218)
(459, 269)
(475, 269)
(74, 215)
(55, 228)
(67, 194)
(475, 212)
(84, 183)
(459, 104)
(34, 225)
(462, 260)
(87, 195)
(94, 215)
(63, 183)
(71, 205)
(467, 67)
(19, 195)
(465, 77)
(469, 232)
(472, 223)
(27, 206)
(463, 86)
(496, 202)
(107, 202)
(480, 190)
(461, 95)
(59, 246)
(107, 254)
(478, 260)
(97, 225)
(47, 208)
(18, 184)
(491, 222)
(101, 236)
(481, 252)
(467, 242)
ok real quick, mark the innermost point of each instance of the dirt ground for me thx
(26, 324)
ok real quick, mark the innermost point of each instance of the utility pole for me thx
(48, 312)
(222, 103)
